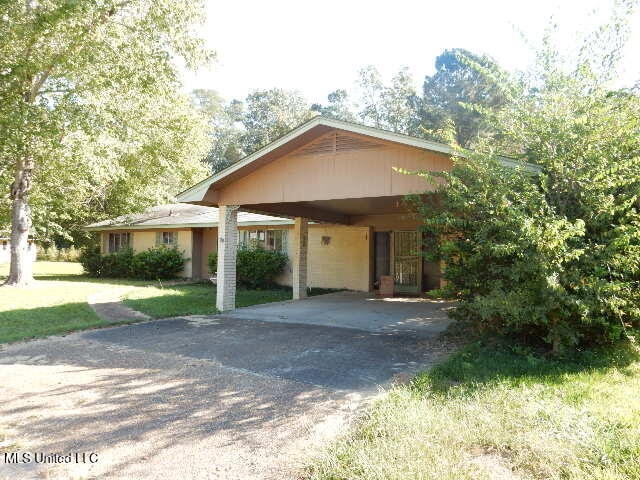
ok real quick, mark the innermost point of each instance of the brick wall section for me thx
(227, 246)
(300, 244)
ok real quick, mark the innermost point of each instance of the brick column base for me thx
(227, 250)
(300, 242)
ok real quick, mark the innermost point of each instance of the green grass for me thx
(492, 413)
(56, 303)
(196, 299)
(49, 269)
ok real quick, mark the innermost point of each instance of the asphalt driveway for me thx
(196, 397)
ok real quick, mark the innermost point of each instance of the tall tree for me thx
(463, 81)
(270, 114)
(386, 106)
(88, 98)
(337, 106)
(226, 134)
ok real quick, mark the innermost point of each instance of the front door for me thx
(382, 255)
(406, 261)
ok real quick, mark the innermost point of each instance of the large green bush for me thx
(255, 267)
(554, 256)
(112, 265)
(155, 263)
(91, 260)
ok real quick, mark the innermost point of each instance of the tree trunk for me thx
(20, 273)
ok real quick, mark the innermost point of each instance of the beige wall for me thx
(146, 239)
(384, 223)
(308, 174)
(342, 263)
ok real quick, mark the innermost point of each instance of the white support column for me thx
(300, 242)
(227, 250)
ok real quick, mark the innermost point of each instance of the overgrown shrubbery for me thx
(557, 255)
(152, 264)
(255, 267)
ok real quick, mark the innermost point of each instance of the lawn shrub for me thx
(91, 260)
(157, 263)
(255, 267)
(117, 265)
(152, 264)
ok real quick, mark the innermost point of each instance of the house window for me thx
(251, 238)
(167, 238)
(277, 240)
(267, 239)
(119, 241)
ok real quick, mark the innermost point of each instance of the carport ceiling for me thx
(334, 211)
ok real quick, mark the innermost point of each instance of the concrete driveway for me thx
(201, 397)
(358, 310)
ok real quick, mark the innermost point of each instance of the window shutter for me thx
(105, 242)
(175, 238)
(158, 238)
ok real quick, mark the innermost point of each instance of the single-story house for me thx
(349, 180)
(328, 193)
(194, 230)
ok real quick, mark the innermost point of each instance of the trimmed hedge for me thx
(155, 263)
(255, 267)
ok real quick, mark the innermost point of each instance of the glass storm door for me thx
(406, 261)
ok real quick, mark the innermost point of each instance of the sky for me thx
(317, 47)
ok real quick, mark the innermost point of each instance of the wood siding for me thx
(356, 167)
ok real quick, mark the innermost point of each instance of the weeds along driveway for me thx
(196, 397)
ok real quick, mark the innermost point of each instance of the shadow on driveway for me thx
(200, 397)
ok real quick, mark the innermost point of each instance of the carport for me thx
(332, 172)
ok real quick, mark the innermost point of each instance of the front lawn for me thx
(492, 413)
(55, 304)
(195, 299)
(57, 301)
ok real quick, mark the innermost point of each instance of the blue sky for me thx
(316, 47)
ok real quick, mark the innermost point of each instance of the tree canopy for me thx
(92, 121)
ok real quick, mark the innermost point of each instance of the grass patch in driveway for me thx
(195, 299)
(489, 412)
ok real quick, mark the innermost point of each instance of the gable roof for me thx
(321, 125)
(180, 215)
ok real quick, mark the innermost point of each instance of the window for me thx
(267, 239)
(167, 238)
(119, 241)
(277, 240)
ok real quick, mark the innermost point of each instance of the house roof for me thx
(180, 215)
(321, 125)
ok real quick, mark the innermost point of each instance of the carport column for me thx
(227, 250)
(300, 242)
